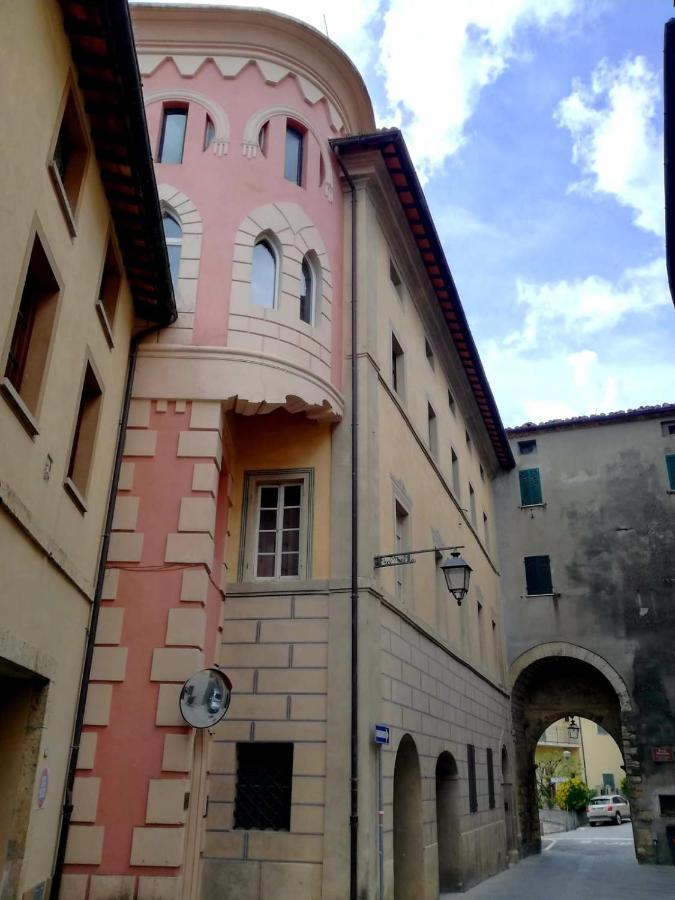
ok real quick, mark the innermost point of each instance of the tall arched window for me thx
(307, 292)
(173, 236)
(293, 157)
(264, 275)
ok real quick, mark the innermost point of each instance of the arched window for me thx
(262, 138)
(264, 275)
(293, 159)
(173, 236)
(172, 138)
(307, 292)
(209, 132)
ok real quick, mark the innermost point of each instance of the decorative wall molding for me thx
(221, 122)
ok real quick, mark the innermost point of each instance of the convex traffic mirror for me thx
(205, 698)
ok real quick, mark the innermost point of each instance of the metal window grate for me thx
(264, 786)
(491, 779)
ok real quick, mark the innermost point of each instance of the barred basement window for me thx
(473, 792)
(264, 786)
(491, 779)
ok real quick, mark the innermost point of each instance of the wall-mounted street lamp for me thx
(457, 571)
(573, 730)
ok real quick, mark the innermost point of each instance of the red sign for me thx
(662, 754)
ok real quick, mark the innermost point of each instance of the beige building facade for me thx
(66, 321)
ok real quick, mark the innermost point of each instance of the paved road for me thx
(586, 864)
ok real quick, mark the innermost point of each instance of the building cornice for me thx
(664, 411)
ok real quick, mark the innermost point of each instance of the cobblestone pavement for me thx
(586, 864)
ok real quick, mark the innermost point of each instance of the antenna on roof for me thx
(325, 23)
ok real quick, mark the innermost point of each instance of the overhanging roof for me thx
(664, 411)
(103, 51)
(390, 143)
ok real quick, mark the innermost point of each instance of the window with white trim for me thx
(264, 277)
(308, 291)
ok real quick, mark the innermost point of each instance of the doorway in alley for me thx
(447, 823)
(408, 838)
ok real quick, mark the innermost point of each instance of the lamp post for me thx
(573, 730)
(457, 571)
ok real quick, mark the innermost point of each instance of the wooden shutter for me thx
(538, 574)
(670, 464)
(530, 487)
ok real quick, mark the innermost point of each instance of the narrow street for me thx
(597, 863)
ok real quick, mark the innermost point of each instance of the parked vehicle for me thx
(607, 808)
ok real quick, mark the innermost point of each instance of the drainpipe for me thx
(96, 605)
(354, 775)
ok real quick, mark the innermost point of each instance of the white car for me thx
(607, 808)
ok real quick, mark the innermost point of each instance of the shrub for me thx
(573, 795)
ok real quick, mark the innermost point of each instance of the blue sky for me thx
(536, 126)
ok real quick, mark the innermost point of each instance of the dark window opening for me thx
(451, 402)
(82, 452)
(69, 159)
(491, 779)
(473, 792)
(172, 140)
(525, 447)
(307, 291)
(668, 427)
(538, 575)
(432, 430)
(395, 277)
(109, 287)
(667, 804)
(173, 235)
(264, 786)
(264, 275)
(467, 438)
(670, 466)
(262, 138)
(530, 487)
(209, 133)
(429, 353)
(293, 159)
(396, 365)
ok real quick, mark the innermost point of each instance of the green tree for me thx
(573, 795)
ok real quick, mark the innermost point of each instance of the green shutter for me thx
(538, 574)
(530, 487)
(670, 465)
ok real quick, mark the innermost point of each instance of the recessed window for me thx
(397, 371)
(32, 334)
(454, 461)
(667, 804)
(401, 544)
(530, 487)
(264, 275)
(538, 575)
(279, 527)
(109, 289)
(395, 278)
(451, 401)
(209, 132)
(294, 153)
(486, 531)
(429, 353)
(482, 473)
(472, 505)
(82, 450)
(491, 778)
(469, 443)
(525, 447)
(264, 786)
(69, 160)
(263, 136)
(471, 764)
(670, 468)
(172, 138)
(307, 292)
(432, 430)
(668, 427)
(173, 235)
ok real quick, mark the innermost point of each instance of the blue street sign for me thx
(381, 735)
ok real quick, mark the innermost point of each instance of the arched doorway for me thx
(408, 839)
(447, 824)
(547, 688)
(509, 807)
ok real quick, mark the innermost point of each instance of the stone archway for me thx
(408, 838)
(447, 824)
(549, 683)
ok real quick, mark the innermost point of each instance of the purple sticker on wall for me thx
(42, 787)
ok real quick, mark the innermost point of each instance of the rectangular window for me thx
(82, 450)
(525, 447)
(279, 523)
(486, 531)
(491, 778)
(32, 335)
(608, 783)
(455, 473)
(473, 793)
(108, 290)
(530, 487)
(172, 140)
(670, 467)
(667, 804)
(293, 156)
(482, 472)
(451, 402)
(395, 278)
(396, 366)
(264, 786)
(481, 636)
(69, 160)
(538, 575)
(432, 430)
(668, 427)
(429, 353)
(467, 438)
(401, 544)
(472, 505)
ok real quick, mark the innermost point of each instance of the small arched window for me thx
(172, 137)
(307, 292)
(293, 158)
(264, 275)
(209, 133)
(262, 138)
(173, 235)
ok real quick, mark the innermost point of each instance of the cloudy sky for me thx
(536, 126)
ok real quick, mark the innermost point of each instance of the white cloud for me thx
(581, 364)
(616, 138)
(437, 57)
(586, 306)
